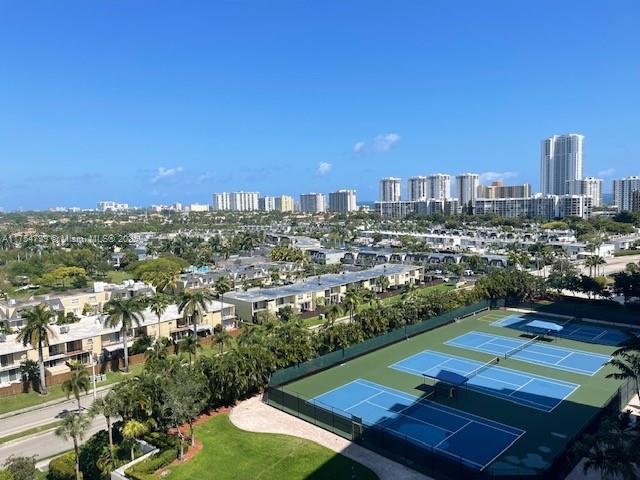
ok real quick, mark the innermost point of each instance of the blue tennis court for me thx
(518, 387)
(574, 330)
(473, 440)
(576, 361)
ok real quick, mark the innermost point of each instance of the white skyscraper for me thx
(342, 201)
(560, 163)
(390, 189)
(417, 188)
(623, 192)
(312, 203)
(439, 186)
(236, 201)
(588, 186)
(467, 188)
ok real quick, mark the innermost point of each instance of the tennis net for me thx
(472, 314)
(519, 348)
(481, 368)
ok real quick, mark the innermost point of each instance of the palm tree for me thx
(74, 426)
(158, 304)
(220, 337)
(156, 353)
(124, 313)
(193, 306)
(189, 345)
(36, 332)
(332, 313)
(222, 286)
(107, 406)
(79, 380)
(133, 429)
(628, 365)
(383, 283)
(351, 300)
(30, 374)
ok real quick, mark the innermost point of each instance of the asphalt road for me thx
(41, 416)
(46, 444)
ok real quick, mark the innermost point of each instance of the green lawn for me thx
(117, 276)
(31, 399)
(233, 454)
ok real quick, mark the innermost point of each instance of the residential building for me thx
(438, 186)
(90, 336)
(310, 293)
(467, 188)
(110, 206)
(343, 201)
(389, 189)
(236, 201)
(397, 209)
(588, 186)
(195, 207)
(499, 190)
(417, 188)
(635, 201)
(312, 203)
(560, 163)
(623, 192)
(538, 206)
(221, 201)
(284, 203)
(267, 204)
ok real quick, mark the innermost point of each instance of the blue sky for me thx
(145, 101)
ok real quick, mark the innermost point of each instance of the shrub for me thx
(145, 469)
(63, 467)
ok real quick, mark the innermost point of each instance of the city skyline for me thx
(175, 109)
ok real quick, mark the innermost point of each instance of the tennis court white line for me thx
(448, 410)
(452, 434)
(598, 337)
(366, 400)
(487, 391)
(521, 386)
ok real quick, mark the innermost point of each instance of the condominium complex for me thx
(499, 190)
(308, 294)
(312, 203)
(635, 201)
(467, 188)
(236, 201)
(623, 192)
(110, 206)
(431, 206)
(389, 189)
(560, 163)
(417, 188)
(587, 186)
(267, 204)
(343, 201)
(538, 206)
(90, 336)
(439, 186)
(284, 203)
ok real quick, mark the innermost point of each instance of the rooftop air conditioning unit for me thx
(64, 329)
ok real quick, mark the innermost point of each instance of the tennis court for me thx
(574, 330)
(473, 440)
(570, 360)
(515, 386)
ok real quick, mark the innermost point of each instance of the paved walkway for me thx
(255, 416)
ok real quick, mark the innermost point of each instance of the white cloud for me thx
(606, 173)
(165, 173)
(324, 168)
(493, 176)
(380, 144)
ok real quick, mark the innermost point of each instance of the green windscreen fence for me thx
(286, 375)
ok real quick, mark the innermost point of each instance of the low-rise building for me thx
(310, 293)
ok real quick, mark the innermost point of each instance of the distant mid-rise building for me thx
(467, 188)
(236, 201)
(110, 206)
(417, 188)
(623, 192)
(312, 203)
(284, 203)
(195, 207)
(560, 163)
(546, 207)
(635, 201)
(389, 189)
(439, 186)
(343, 201)
(587, 186)
(499, 190)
